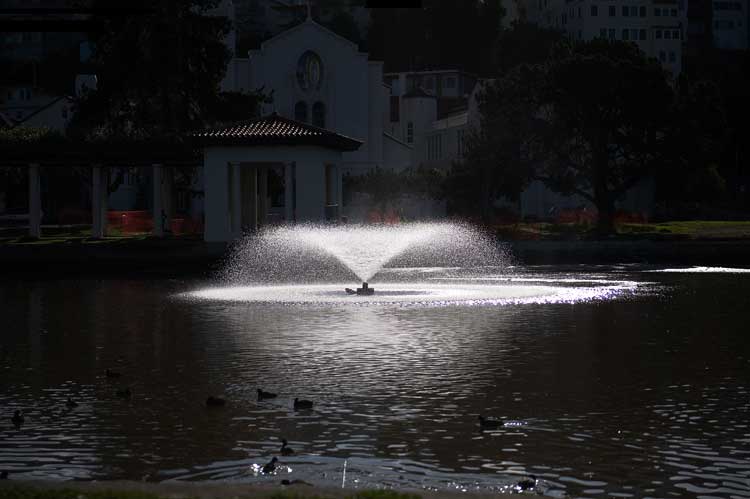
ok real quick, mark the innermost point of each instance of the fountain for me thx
(413, 263)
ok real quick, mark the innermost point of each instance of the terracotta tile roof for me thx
(276, 130)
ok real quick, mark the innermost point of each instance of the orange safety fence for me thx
(141, 221)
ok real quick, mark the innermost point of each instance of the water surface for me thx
(641, 393)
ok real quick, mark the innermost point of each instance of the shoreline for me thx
(120, 489)
(153, 257)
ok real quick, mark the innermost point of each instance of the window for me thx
(657, 11)
(612, 11)
(429, 83)
(657, 34)
(319, 114)
(450, 82)
(642, 34)
(633, 11)
(460, 142)
(633, 34)
(667, 34)
(594, 10)
(579, 12)
(625, 34)
(300, 111)
(672, 56)
(612, 33)
(676, 34)
(410, 133)
(309, 71)
(674, 12)
(625, 10)
(643, 11)
(662, 56)
(395, 108)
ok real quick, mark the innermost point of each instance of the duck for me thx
(112, 374)
(302, 404)
(3, 475)
(124, 393)
(295, 482)
(270, 466)
(489, 423)
(527, 483)
(285, 450)
(71, 403)
(17, 418)
(212, 401)
(265, 395)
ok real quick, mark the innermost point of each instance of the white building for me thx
(730, 20)
(656, 26)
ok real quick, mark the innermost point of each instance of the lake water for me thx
(639, 392)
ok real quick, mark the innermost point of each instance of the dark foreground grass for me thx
(30, 492)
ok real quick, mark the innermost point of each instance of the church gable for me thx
(307, 33)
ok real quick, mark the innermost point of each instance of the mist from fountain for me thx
(315, 253)
(432, 264)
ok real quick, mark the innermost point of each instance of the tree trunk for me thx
(605, 207)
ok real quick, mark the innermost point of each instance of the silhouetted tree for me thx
(158, 72)
(593, 120)
(456, 34)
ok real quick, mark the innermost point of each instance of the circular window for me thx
(309, 71)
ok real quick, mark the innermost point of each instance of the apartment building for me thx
(657, 27)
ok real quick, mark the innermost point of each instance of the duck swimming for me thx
(527, 483)
(265, 395)
(286, 451)
(112, 374)
(124, 393)
(302, 404)
(71, 403)
(270, 466)
(489, 423)
(215, 401)
(17, 418)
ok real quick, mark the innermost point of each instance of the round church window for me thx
(309, 71)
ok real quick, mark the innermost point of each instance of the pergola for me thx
(235, 159)
(101, 158)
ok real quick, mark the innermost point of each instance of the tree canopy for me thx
(159, 72)
(445, 34)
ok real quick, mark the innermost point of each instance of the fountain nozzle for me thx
(365, 290)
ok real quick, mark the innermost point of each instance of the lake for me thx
(639, 391)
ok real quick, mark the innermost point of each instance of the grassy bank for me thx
(670, 231)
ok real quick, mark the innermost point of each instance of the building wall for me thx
(310, 184)
(348, 84)
(55, 117)
(730, 24)
(656, 26)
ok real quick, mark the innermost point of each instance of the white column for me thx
(168, 198)
(339, 191)
(263, 195)
(251, 190)
(288, 193)
(158, 204)
(35, 202)
(236, 187)
(97, 197)
(216, 202)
